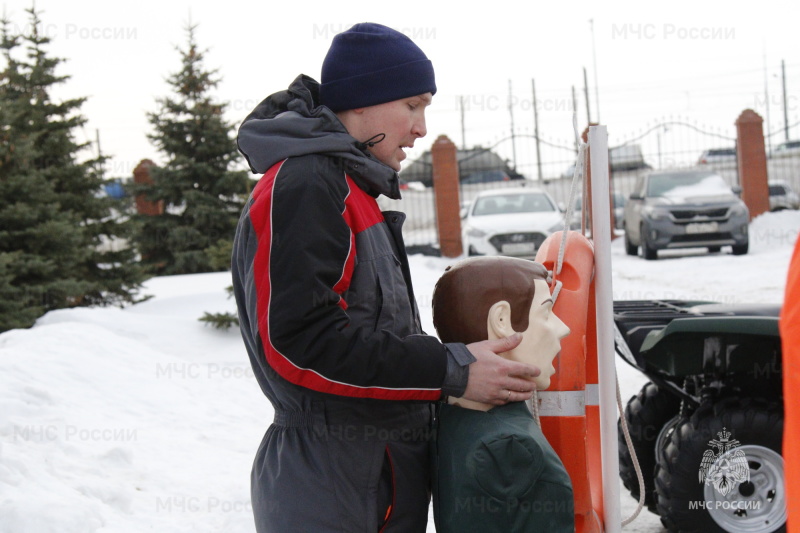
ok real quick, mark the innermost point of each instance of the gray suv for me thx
(684, 209)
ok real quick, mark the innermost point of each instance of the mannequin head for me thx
(493, 297)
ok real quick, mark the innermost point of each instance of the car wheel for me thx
(630, 248)
(740, 249)
(648, 251)
(647, 413)
(721, 470)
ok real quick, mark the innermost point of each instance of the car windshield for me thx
(512, 203)
(687, 185)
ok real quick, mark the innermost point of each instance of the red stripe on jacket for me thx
(361, 212)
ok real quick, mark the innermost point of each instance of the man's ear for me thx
(498, 321)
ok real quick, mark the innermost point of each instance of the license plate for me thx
(702, 227)
(519, 248)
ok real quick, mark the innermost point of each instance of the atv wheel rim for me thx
(666, 432)
(757, 506)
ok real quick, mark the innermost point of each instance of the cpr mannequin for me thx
(493, 468)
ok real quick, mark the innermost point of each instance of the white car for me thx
(716, 156)
(511, 222)
(787, 149)
(619, 211)
(781, 196)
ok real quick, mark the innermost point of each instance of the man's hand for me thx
(496, 380)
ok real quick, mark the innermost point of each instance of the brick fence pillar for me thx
(448, 204)
(752, 159)
(141, 176)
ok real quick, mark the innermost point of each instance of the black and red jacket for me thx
(326, 305)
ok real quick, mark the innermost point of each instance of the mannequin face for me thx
(541, 342)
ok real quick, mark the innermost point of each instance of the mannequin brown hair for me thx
(466, 291)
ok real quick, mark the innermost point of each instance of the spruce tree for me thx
(201, 191)
(52, 213)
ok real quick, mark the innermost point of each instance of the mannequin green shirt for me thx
(494, 471)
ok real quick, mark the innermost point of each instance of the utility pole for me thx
(594, 60)
(586, 94)
(513, 135)
(767, 102)
(536, 131)
(785, 107)
(463, 131)
(575, 111)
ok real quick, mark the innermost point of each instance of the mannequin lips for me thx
(552, 366)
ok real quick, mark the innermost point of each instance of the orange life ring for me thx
(568, 409)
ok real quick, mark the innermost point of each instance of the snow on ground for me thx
(145, 419)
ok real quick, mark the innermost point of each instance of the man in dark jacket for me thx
(325, 300)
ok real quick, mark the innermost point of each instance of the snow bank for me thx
(131, 420)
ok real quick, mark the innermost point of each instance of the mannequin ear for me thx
(498, 322)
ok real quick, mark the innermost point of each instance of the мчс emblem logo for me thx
(726, 467)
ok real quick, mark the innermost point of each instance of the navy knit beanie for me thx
(372, 64)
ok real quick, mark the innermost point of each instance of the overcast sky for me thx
(698, 61)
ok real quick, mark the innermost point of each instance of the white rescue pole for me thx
(601, 237)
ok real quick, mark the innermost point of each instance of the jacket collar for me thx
(291, 123)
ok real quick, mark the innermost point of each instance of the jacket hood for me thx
(290, 123)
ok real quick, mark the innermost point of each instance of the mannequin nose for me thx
(563, 330)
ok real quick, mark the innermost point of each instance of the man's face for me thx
(402, 121)
(541, 342)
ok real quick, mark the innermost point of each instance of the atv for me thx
(707, 428)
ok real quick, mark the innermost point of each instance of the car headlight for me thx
(738, 210)
(655, 213)
(476, 232)
(558, 227)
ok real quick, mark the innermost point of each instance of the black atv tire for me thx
(758, 426)
(646, 413)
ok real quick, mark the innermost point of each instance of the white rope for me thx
(629, 443)
(535, 404)
(626, 432)
(577, 176)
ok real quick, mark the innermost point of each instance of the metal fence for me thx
(668, 144)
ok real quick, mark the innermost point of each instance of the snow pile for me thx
(131, 420)
(146, 419)
(774, 231)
